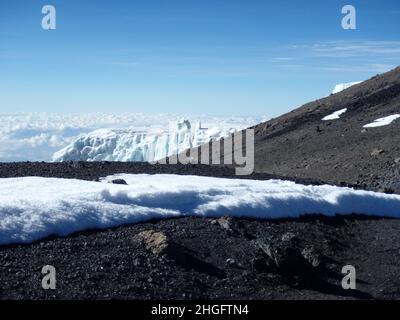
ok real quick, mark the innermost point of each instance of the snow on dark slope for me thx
(332, 139)
(300, 144)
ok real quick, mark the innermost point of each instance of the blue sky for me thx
(201, 56)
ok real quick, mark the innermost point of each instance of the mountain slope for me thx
(332, 139)
(300, 144)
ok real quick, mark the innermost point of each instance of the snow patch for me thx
(32, 208)
(382, 121)
(335, 115)
(343, 86)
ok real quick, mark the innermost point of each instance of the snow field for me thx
(32, 208)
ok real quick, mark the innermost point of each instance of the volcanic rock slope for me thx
(300, 144)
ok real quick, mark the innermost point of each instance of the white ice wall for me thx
(128, 145)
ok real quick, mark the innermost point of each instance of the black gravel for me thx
(221, 263)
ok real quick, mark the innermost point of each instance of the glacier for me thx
(36, 136)
(139, 145)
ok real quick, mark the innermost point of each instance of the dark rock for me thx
(226, 223)
(286, 259)
(285, 256)
(289, 236)
(119, 181)
(311, 255)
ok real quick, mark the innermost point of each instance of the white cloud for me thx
(282, 59)
(348, 49)
(344, 56)
(368, 67)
